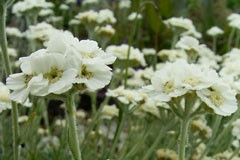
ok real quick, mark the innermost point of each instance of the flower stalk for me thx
(72, 127)
(8, 71)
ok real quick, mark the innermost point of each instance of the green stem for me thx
(174, 40)
(117, 133)
(72, 128)
(237, 38)
(8, 71)
(214, 47)
(183, 138)
(135, 28)
(216, 125)
(230, 38)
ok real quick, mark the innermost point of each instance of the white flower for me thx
(23, 6)
(215, 31)
(220, 97)
(74, 22)
(42, 31)
(105, 30)
(124, 4)
(94, 74)
(46, 12)
(236, 129)
(149, 106)
(109, 111)
(196, 77)
(183, 23)
(126, 96)
(12, 31)
(11, 52)
(87, 16)
(4, 98)
(188, 43)
(134, 16)
(166, 83)
(179, 22)
(22, 119)
(64, 7)
(106, 16)
(201, 126)
(121, 52)
(86, 2)
(234, 20)
(149, 51)
(172, 55)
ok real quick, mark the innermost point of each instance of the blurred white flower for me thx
(109, 111)
(107, 30)
(21, 7)
(134, 15)
(87, 2)
(12, 31)
(124, 4)
(236, 129)
(215, 31)
(42, 31)
(121, 52)
(148, 51)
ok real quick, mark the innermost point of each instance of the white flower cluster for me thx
(89, 2)
(103, 16)
(23, 6)
(121, 52)
(41, 31)
(133, 98)
(215, 31)
(183, 23)
(230, 68)
(15, 32)
(179, 78)
(134, 16)
(107, 30)
(124, 4)
(66, 61)
(234, 20)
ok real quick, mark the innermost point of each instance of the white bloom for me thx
(74, 22)
(106, 16)
(42, 31)
(23, 6)
(134, 16)
(94, 74)
(87, 16)
(46, 12)
(11, 52)
(179, 22)
(214, 31)
(86, 2)
(121, 52)
(4, 98)
(149, 51)
(22, 119)
(64, 7)
(220, 97)
(172, 55)
(105, 30)
(236, 129)
(183, 23)
(188, 43)
(12, 31)
(166, 83)
(149, 106)
(234, 20)
(124, 4)
(200, 125)
(109, 111)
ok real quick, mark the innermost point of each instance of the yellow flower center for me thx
(168, 87)
(192, 81)
(28, 78)
(216, 98)
(85, 73)
(54, 75)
